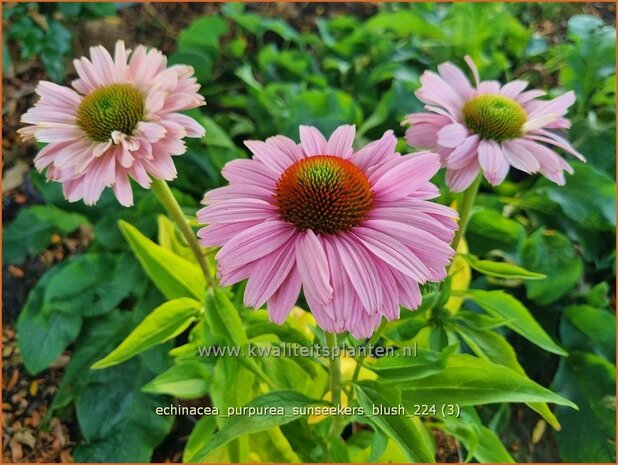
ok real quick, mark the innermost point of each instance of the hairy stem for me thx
(335, 379)
(166, 197)
(467, 201)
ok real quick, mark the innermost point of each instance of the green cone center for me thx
(494, 117)
(116, 107)
(324, 193)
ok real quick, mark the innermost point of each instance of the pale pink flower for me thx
(355, 230)
(489, 127)
(120, 122)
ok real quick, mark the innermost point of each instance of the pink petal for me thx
(489, 87)
(492, 162)
(358, 265)
(406, 175)
(282, 301)
(312, 141)
(274, 269)
(287, 146)
(376, 152)
(463, 155)
(122, 189)
(340, 141)
(269, 155)
(193, 128)
(557, 106)
(313, 268)
(513, 89)
(473, 68)
(254, 243)
(452, 135)
(456, 79)
(231, 211)
(460, 180)
(216, 235)
(554, 139)
(153, 132)
(518, 156)
(237, 191)
(392, 252)
(249, 172)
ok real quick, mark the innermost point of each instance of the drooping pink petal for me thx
(518, 156)
(282, 301)
(493, 162)
(312, 265)
(452, 135)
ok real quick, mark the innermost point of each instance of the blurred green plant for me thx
(42, 31)
(531, 292)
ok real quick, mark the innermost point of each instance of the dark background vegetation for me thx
(264, 69)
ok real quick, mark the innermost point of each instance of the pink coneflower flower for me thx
(121, 121)
(489, 127)
(355, 230)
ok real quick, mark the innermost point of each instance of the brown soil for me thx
(25, 399)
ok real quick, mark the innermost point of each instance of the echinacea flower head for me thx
(120, 120)
(490, 127)
(356, 231)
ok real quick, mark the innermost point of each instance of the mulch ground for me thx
(26, 437)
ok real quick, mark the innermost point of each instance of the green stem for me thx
(469, 196)
(335, 379)
(374, 339)
(169, 202)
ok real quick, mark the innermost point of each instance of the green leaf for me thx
(551, 253)
(501, 269)
(469, 380)
(399, 428)
(44, 333)
(588, 197)
(224, 319)
(401, 366)
(239, 425)
(200, 434)
(488, 230)
(588, 435)
(597, 326)
(33, 228)
(189, 379)
(200, 60)
(164, 323)
(481, 442)
(117, 421)
(495, 348)
(204, 33)
(518, 317)
(94, 283)
(174, 276)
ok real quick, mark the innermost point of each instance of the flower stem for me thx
(372, 341)
(335, 379)
(467, 201)
(166, 197)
